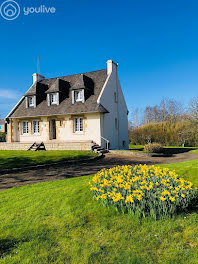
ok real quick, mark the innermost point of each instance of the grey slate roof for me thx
(58, 85)
(95, 78)
(37, 88)
(83, 82)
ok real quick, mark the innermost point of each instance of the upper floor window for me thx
(78, 124)
(35, 127)
(78, 96)
(31, 101)
(53, 97)
(25, 129)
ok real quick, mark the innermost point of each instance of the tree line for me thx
(168, 123)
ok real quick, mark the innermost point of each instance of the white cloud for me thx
(9, 94)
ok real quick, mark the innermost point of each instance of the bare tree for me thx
(135, 118)
(193, 110)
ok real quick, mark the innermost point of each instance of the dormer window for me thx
(53, 99)
(30, 101)
(78, 96)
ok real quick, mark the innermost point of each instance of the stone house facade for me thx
(75, 110)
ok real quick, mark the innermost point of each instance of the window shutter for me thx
(72, 97)
(21, 128)
(26, 101)
(74, 125)
(34, 101)
(48, 99)
(57, 98)
(83, 95)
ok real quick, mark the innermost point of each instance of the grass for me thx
(167, 150)
(17, 159)
(187, 169)
(131, 146)
(135, 146)
(59, 222)
(194, 151)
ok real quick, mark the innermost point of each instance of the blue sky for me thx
(155, 43)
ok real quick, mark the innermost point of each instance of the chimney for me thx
(37, 77)
(111, 67)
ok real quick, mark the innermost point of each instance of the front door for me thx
(52, 129)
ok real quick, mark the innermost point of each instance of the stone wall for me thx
(64, 129)
(87, 146)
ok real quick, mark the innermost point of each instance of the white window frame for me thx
(53, 98)
(35, 127)
(31, 101)
(78, 96)
(25, 128)
(78, 125)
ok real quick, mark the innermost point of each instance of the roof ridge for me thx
(72, 75)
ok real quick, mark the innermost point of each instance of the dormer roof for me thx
(83, 82)
(36, 89)
(58, 85)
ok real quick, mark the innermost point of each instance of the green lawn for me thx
(167, 150)
(136, 146)
(188, 170)
(195, 151)
(142, 146)
(59, 222)
(16, 159)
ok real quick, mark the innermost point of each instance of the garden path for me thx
(86, 168)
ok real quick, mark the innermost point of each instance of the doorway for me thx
(52, 129)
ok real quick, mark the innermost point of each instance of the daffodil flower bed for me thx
(143, 190)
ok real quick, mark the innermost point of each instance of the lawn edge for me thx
(53, 164)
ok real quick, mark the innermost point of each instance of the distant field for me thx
(17, 159)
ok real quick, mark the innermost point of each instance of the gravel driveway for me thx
(68, 171)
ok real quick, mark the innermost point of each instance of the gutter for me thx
(76, 113)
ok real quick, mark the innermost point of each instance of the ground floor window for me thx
(25, 129)
(35, 127)
(78, 124)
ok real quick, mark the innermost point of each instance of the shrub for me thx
(143, 190)
(153, 148)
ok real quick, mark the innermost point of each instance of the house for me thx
(72, 112)
(2, 125)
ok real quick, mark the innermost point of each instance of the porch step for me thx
(99, 149)
(37, 147)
